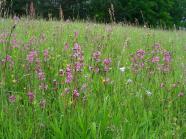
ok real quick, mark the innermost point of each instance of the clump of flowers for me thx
(154, 57)
(69, 76)
(31, 56)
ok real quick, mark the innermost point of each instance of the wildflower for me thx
(107, 63)
(78, 66)
(76, 47)
(31, 56)
(157, 46)
(42, 103)
(181, 94)
(96, 69)
(167, 57)
(75, 93)
(122, 69)
(66, 46)
(31, 96)
(41, 75)
(8, 58)
(155, 59)
(68, 74)
(140, 53)
(67, 90)
(148, 93)
(96, 56)
(12, 98)
(129, 81)
(43, 86)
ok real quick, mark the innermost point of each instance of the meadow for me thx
(83, 80)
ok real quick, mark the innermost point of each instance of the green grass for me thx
(114, 109)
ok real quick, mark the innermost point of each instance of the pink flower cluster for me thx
(31, 56)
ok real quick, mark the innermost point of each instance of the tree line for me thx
(150, 12)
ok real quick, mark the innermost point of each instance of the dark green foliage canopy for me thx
(150, 12)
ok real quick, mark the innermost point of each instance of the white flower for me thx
(122, 69)
(129, 81)
(148, 93)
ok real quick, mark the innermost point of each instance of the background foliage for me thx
(151, 12)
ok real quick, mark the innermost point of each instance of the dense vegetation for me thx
(83, 80)
(151, 12)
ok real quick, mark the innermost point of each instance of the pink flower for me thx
(12, 98)
(167, 57)
(140, 53)
(155, 59)
(67, 90)
(8, 58)
(69, 76)
(107, 61)
(75, 93)
(31, 96)
(77, 47)
(66, 46)
(78, 66)
(31, 56)
(157, 46)
(96, 56)
(41, 75)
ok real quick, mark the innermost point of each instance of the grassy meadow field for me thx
(72, 80)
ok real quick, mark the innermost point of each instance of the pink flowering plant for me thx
(86, 80)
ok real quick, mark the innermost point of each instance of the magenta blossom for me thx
(167, 57)
(66, 46)
(96, 56)
(75, 93)
(31, 56)
(69, 76)
(12, 98)
(31, 96)
(107, 63)
(41, 75)
(140, 53)
(8, 58)
(78, 66)
(155, 59)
